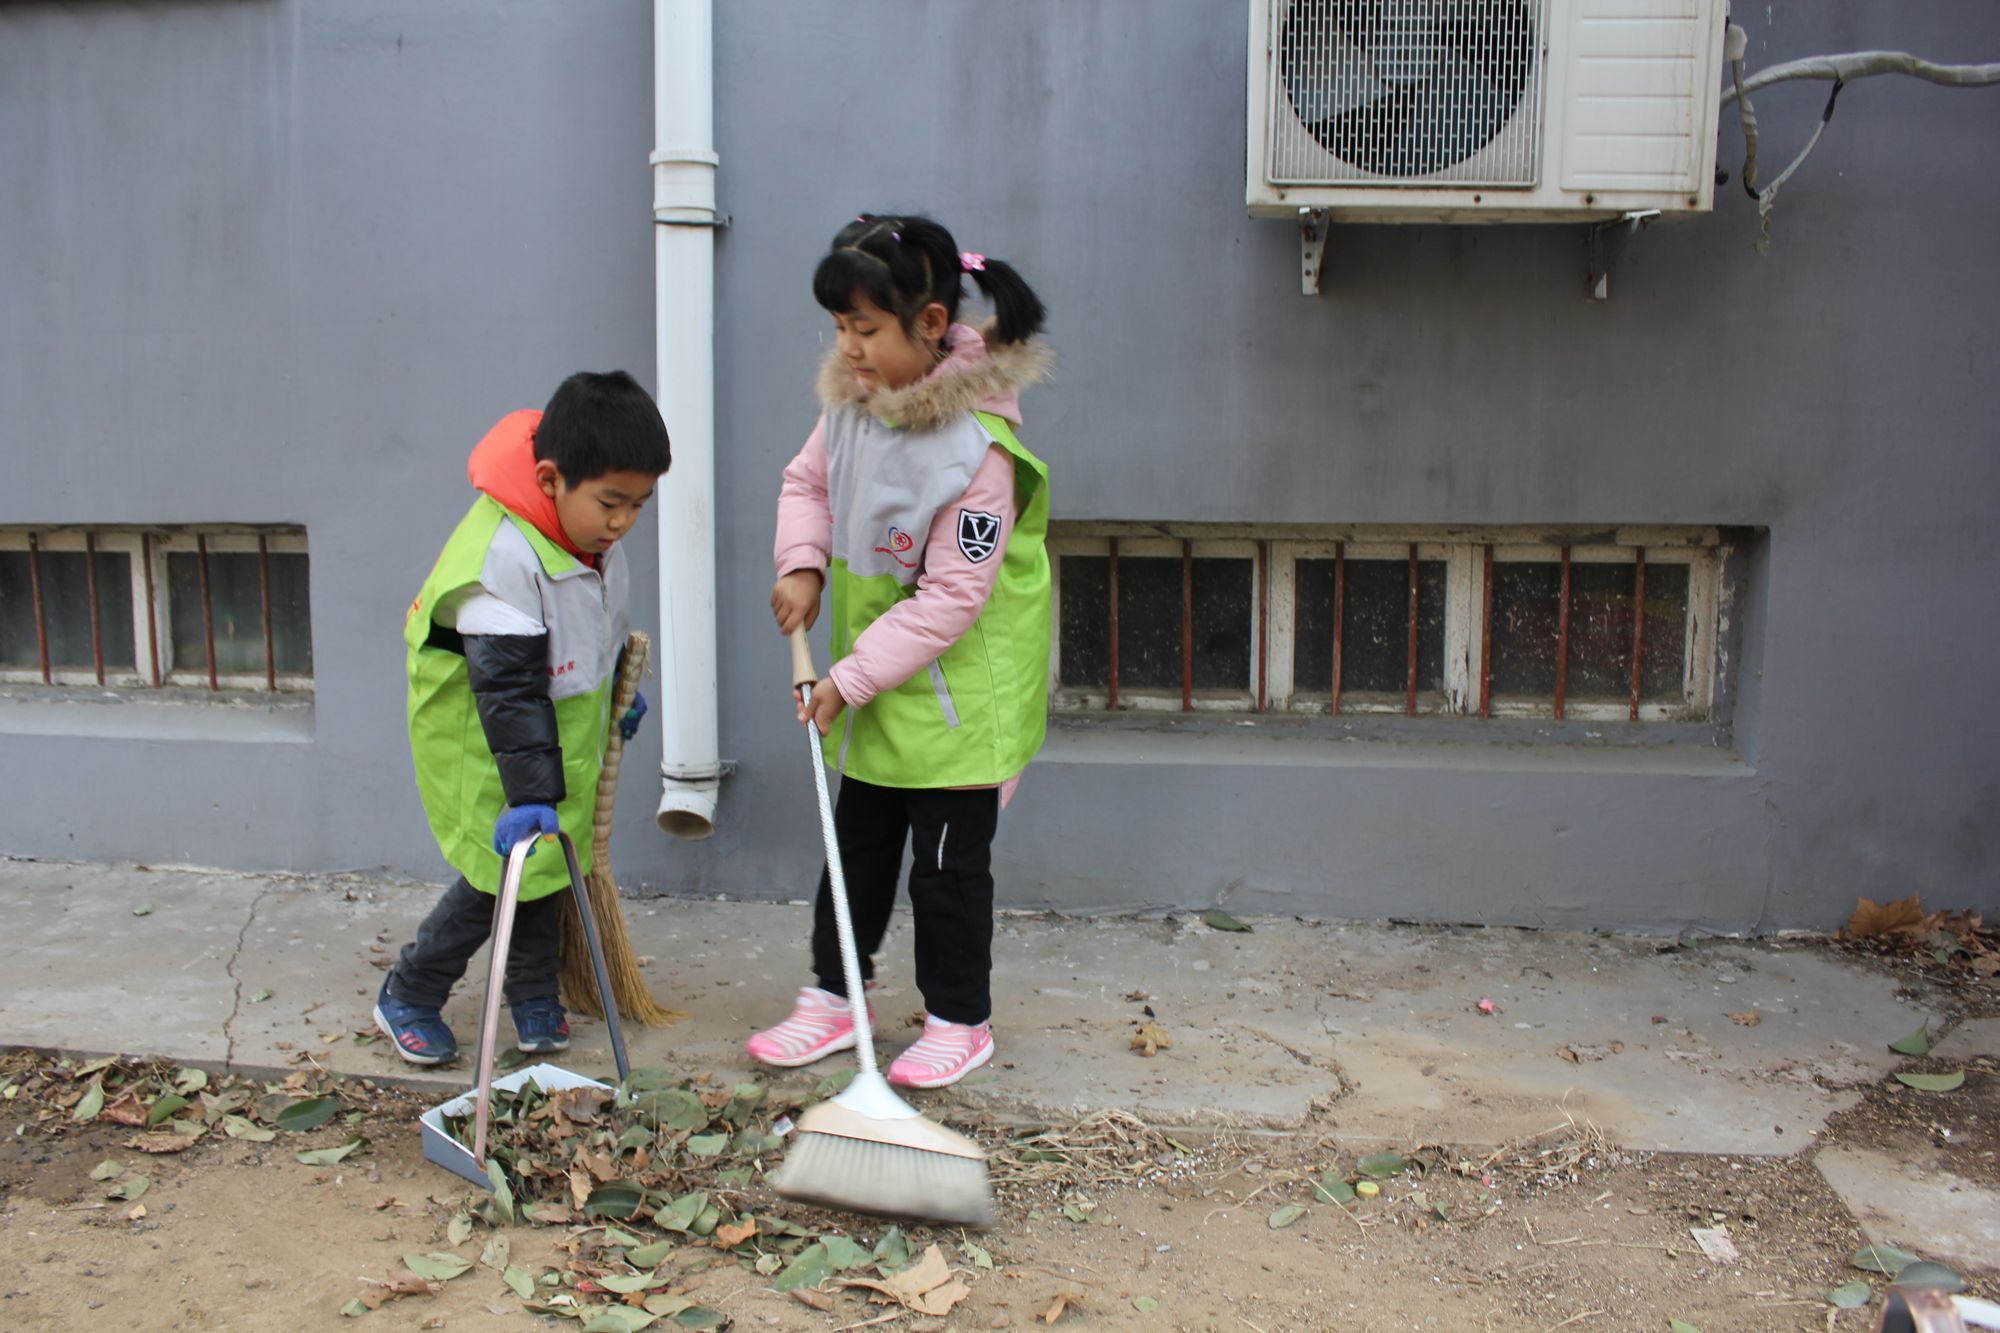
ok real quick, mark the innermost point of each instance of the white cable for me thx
(1862, 64)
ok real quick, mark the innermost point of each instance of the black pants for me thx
(951, 889)
(432, 963)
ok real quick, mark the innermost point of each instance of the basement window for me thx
(211, 608)
(1503, 622)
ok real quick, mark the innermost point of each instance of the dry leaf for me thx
(1151, 1039)
(1749, 1018)
(1567, 1054)
(400, 1284)
(127, 1110)
(927, 1286)
(736, 1233)
(167, 1141)
(817, 1300)
(138, 1211)
(1873, 918)
(1063, 1300)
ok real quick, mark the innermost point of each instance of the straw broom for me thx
(868, 1150)
(579, 981)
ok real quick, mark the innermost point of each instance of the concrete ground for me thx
(1724, 1047)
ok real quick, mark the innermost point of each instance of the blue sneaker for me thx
(542, 1025)
(419, 1032)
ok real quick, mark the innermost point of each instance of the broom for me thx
(579, 981)
(868, 1150)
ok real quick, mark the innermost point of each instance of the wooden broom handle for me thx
(803, 671)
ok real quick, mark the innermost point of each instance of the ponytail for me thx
(903, 262)
(1017, 311)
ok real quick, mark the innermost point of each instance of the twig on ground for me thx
(1576, 1318)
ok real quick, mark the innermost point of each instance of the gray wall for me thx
(286, 262)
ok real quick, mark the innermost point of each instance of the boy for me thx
(513, 647)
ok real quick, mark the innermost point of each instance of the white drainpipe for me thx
(685, 219)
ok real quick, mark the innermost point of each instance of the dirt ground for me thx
(1556, 1232)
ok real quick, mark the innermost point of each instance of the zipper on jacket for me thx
(943, 692)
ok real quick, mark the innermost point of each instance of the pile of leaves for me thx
(172, 1108)
(1957, 943)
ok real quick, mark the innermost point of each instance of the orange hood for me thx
(503, 466)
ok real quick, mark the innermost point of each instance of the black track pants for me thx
(950, 834)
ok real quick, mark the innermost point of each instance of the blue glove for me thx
(520, 822)
(628, 725)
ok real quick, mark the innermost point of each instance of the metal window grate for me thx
(1405, 92)
(226, 608)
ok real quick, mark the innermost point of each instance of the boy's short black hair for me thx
(602, 422)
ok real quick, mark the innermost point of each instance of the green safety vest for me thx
(456, 773)
(979, 713)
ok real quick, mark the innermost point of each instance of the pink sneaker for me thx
(821, 1023)
(946, 1053)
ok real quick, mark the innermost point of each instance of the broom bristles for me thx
(886, 1179)
(579, 980)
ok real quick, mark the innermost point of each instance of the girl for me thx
(914, 499)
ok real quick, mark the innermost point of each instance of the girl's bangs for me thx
(844, 272)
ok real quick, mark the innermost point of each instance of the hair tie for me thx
(896, 236)
(968, 262)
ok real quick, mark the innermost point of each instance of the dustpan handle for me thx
(496, 973)
(804, 677)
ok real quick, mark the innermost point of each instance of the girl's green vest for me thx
(980, 713)
(456, 772)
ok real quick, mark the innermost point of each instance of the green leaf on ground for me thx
(1924, 1273)
(308, 1114)
(165, 1108)
(191, 1081)
(701, 1317)
(843, 1253)
(92, 1103)
(1681, 1326)
(261, 996)
(707, 1145)
(620, 1236)
(1382, 1165)
(1917, 1043)
(627, 1283)
(891, 1252)
(1217, 919)
(503, 1195)
(684, 1212)
(459, 1229)
(517, 1277)
(617, 1198)
(1852, 1296)
(437, 1266)
(496, 1254)
(619, 1319)
(1933, 1082)
(1145, 1304)
(105, 1170)
(354, 1309)
(1287, 1214)
(834, 1084)
(811, 1268)
(978, 1255)
(649, 1256)
(509, 1059)
(243, 1127)
(130, 1188)
(143, 909)
(1330, 1188)
(329, 1156)
(1883, 1259)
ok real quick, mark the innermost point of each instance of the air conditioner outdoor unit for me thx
(1482, 110)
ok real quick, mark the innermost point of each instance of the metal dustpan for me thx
(441, 1147)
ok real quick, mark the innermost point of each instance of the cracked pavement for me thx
(1370, 1032)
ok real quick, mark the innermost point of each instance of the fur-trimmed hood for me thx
(976, 375)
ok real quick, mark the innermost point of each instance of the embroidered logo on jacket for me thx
(978, 534)
(899, 545)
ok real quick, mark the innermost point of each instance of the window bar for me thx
(152, 609)
(1339, 613)
(1187, 625)
(1111, 701)
(1486, 639)
(90, 584)
(208, 609)
(1562, 640)
(41, 616)
(1410, 701)
(1638, 629)
(1263, 621)
(264, 597)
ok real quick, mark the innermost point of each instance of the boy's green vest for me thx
(980, 713)
(456, 772)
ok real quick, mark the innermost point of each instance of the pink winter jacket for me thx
(951, 590)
